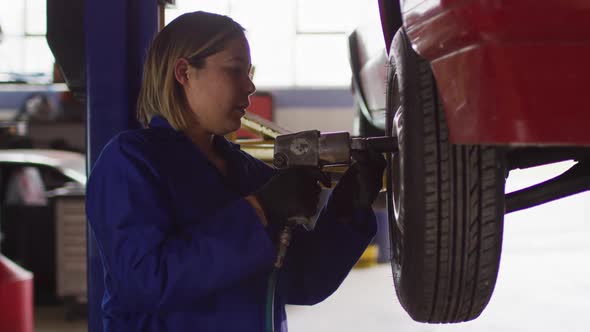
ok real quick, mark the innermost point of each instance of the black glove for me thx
(290, 193)
(359, 186)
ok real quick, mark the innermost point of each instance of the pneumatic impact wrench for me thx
(312, 148)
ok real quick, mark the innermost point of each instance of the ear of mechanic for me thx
(186, 222)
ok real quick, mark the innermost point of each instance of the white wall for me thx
(322, 119)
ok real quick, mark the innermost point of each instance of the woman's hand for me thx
(290, 193)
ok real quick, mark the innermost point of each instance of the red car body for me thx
(510, 72)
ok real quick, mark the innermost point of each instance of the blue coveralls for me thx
(183, 251)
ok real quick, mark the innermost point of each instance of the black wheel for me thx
(445, 201)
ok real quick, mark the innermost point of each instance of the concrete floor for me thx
(52, 319)
(543, 286)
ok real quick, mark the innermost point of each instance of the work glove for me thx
(359, 185)
(292, 192)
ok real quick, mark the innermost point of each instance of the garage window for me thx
(295, 43)
(24, 53)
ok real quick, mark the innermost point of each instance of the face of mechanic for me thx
(218, 93)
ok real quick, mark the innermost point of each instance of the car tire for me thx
(445, 201)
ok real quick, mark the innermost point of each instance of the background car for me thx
(42, 219)
(368, 63)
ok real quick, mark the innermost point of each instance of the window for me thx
(294, 43)
(24, 53)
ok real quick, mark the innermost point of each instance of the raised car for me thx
(473, 90)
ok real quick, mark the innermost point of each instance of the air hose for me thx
(284, 241)
(270, 300)
(308, 224)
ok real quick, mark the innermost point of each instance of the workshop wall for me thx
(325, 109)
(320, 118)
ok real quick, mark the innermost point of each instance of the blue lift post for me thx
(117, 36)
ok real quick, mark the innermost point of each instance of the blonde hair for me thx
(194, 36)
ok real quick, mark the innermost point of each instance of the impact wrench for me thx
(312, 148)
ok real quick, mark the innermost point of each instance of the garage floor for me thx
(544, 282)
(543, 285)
